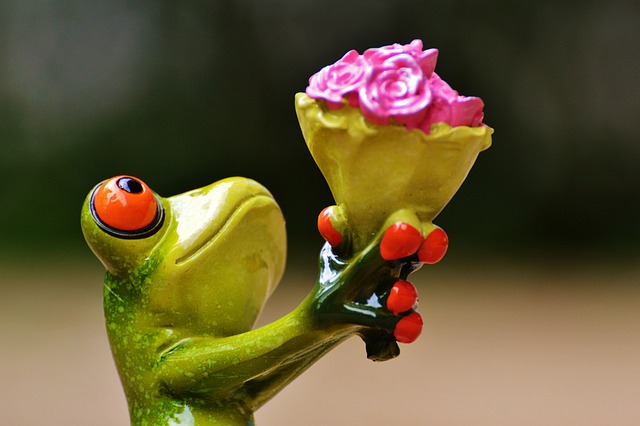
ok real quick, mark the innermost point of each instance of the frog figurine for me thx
(187, 276)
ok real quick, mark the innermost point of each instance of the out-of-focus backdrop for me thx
(533, 317)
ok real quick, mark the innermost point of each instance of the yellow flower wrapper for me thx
(374, 171)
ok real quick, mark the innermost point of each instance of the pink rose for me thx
(333, 82)
(395, 84)
(397, 89)
(448, 107)
(440, 108)
(426, 59)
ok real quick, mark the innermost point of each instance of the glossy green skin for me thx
(180, 306)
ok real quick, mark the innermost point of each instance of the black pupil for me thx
(132, 186)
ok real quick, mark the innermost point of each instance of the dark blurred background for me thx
(183, 93)
(531, 319)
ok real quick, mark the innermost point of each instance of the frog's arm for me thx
(256, 365)
(252, 366)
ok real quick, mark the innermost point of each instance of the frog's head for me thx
(203, 261)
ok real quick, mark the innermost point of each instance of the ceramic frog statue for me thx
(187, 276)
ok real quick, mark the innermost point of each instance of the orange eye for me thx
(125, 207)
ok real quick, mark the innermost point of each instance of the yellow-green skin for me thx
(180, 306)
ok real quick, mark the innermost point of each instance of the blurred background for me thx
(540, 288)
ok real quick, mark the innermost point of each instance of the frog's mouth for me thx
(205, 215)
(226, 252)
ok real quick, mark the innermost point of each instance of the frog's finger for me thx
(434, 246)
(382, 345)
(332, 226)
(400, 240)
(402, 235)
(402, 297)
(408, 329)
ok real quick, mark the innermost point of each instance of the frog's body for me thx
(182, 295)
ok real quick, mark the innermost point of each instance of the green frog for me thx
(187, 277)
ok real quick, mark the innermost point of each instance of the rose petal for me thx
(426, 59)
(439, 112)
(396, 89)
(466, 111)
(441, 89)
(334, 81)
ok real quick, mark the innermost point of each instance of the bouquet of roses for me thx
(389, 134)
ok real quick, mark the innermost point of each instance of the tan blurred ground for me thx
(503, 345)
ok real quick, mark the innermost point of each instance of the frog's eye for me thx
(125, 207)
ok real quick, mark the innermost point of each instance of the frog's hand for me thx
(370, 289)
(252, 366)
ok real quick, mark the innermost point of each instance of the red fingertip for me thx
(326, 228)
(400, 240)
(402, 297)
(408, 328)
(434, 247)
